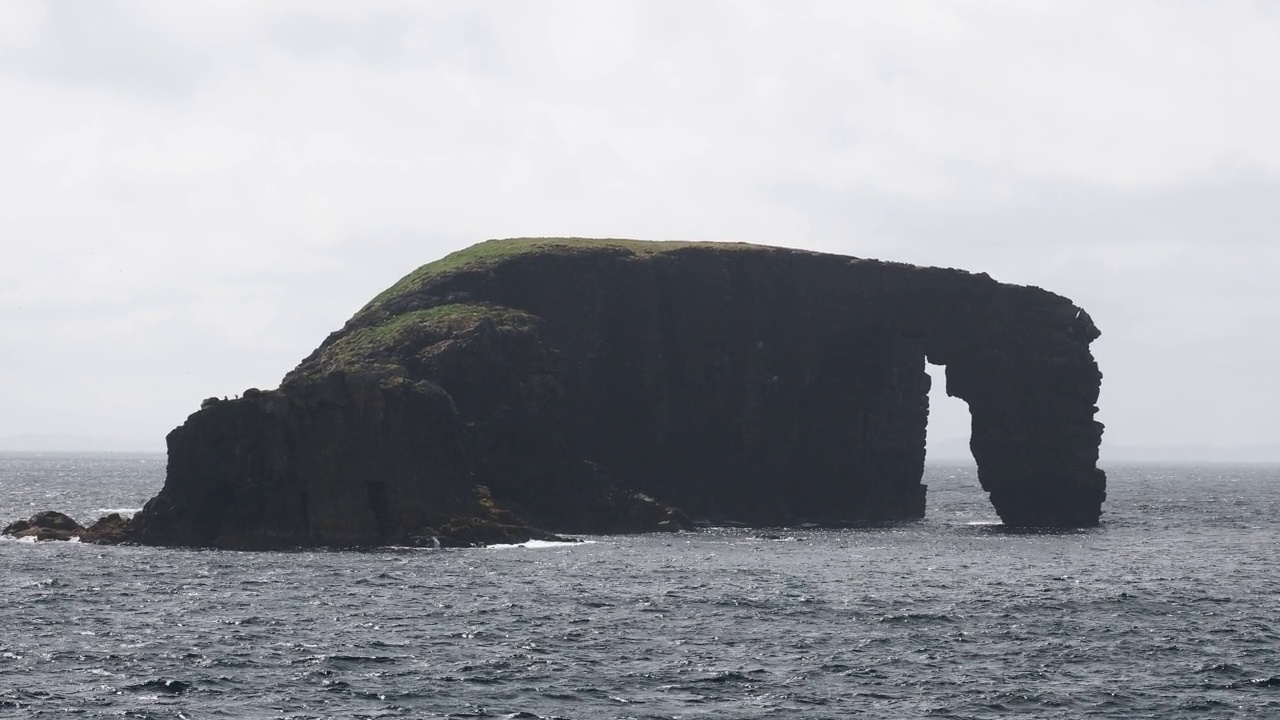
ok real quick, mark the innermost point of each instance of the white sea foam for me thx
(533, 544)
(122, 511)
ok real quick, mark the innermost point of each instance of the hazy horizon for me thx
(955, 452)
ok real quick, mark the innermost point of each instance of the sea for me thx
(1170, 609)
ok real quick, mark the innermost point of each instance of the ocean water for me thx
(1171, 609)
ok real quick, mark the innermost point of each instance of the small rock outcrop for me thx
(52, 525)
(527, 387)
(47, 525)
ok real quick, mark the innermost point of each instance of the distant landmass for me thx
(1257, 453)
(948, 450)
(52, 442)
(956, 449)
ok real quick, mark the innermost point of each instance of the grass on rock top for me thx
(491, 252)
(382, 340)
(376, 331)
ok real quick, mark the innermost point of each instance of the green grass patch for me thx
(492, 252)
(380, 342)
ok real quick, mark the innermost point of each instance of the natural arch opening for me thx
(955, 493)
(947, 432)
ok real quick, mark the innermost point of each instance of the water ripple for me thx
(1166, 611)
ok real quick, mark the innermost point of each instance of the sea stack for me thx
(532, 386)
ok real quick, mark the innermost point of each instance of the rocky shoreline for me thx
(115, 529)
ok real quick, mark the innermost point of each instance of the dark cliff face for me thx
(762, 385)
(350, 459)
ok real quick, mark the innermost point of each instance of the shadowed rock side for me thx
(594, 386)
(364, 459)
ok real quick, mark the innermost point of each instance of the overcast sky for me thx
(193, 194)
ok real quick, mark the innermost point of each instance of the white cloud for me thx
(200, 191)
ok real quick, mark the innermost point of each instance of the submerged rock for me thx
(585, 386)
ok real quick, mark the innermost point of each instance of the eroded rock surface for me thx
(582, 386)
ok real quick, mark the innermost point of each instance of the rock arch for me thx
(737, 382)
(1033, 433)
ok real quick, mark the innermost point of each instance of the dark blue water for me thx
(1169, 610)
